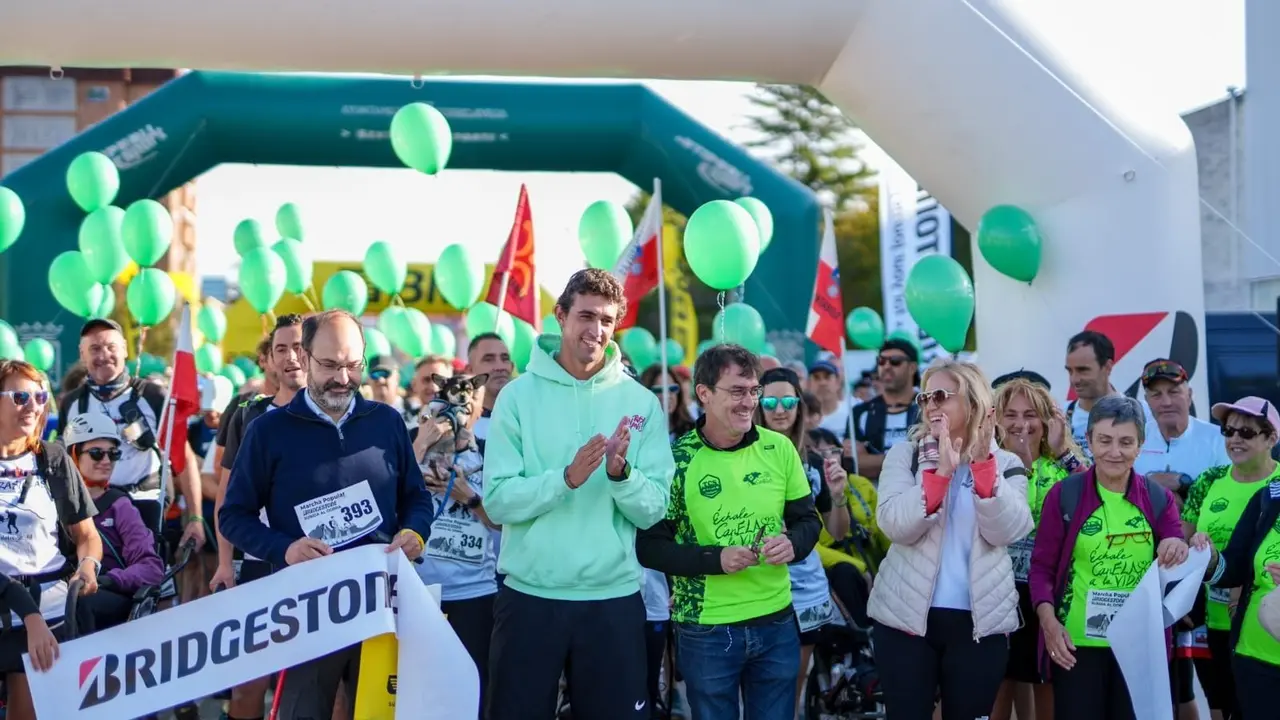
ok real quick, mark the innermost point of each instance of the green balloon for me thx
(640, 346)
(262, 277)
(384, 269)
(721, 244)
(149, 365)
(705, 345)
(39, 352)
(247, 236)
(12, 218)
(865, 328)
(234, 374)
(209, 358)
(484, 317)
(762, 217)
(550, 325)
(248, 366)
(147, 231)
(673, 351)
(1010, 241)
(459, 276)
(289, 222)
(297, 265)
(8, 336)
(12, 352)
(106, 305)
(740, 324)
(443, 341)
(939, 297)
(347, 291)
(603, 232)
(102, 243)
(93, 181)
(211, 322)
(73, 285)
(421, 138)
(522, 350)
(408, 329)
(375, 344)
(151, 296)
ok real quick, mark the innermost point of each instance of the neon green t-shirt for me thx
(1255, 641)
(1112, 553)
(722, 498)
(1214, 505)
(1045, 473)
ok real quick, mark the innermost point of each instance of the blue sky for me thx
(1179, 54)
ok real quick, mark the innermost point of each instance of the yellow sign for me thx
(244, 324)
(682, 325)
(376, 686)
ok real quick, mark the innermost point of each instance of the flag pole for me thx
(656, 200)
(165, 440)
(510, 250)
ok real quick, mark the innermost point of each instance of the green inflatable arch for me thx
(202, 119)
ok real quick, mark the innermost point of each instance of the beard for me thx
(333, 396)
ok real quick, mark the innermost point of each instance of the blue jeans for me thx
(758, 663)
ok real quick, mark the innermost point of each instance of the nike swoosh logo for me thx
(640, 706)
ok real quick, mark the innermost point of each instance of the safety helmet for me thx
(90, 426)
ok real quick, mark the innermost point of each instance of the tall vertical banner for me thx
(683, 326)
(913, 224)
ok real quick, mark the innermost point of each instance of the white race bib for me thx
(1100, 607)
(340, 517)
(815, 617)
(458, 535)
(1020, 553)
(1220, 595)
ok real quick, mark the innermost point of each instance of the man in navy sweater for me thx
(332, 471)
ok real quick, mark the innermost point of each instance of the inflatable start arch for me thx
(963, 94)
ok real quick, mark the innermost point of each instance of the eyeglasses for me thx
(738, 394)
(98, 454)
(894, 360)
(659, 389)
(355, 368)
(937, 397)
(1246, 433)
(1138, 538)
(22, 397)
(378, 374)
(771, 403)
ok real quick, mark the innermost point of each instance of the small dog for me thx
(454, 404)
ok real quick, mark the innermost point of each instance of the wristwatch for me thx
(474, 502)
(626, 472)
(97, 566)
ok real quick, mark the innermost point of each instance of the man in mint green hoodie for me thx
(577, 460)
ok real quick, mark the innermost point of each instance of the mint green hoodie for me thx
(560, 543)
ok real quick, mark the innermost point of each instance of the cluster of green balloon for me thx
(604, 230)
(13, 216)
(248, 366)
(10, 348)
(407, 328)
(384, 268)
(740, 324)
(232, 372)
(459, 275)
(641, 347)
(865, 328)
(485, 318)
(266, 272)
(149, 365)
(939, 296)
(421, 138)
(211, 321)
(1009, 240)
(375, 344)
(723, 241)
(209, 358)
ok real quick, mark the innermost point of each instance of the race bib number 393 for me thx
(341, 517)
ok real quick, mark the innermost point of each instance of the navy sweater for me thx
(293, 455)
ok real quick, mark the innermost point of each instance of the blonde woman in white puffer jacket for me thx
(944, 602)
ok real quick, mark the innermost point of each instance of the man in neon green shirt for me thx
(741, 510)
(577, 459)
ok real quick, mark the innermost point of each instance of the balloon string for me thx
(306, 301)
(397, 300)
(315, 297)
(265, 328)
(142, 338)
(720, 315)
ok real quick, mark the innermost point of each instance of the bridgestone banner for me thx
(299, 614)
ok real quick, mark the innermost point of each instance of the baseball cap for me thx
(1030, 376)
(825, 366)
(1252, 406)
(96, 324)
(904, 346)
(1163, 369)
(382, 367)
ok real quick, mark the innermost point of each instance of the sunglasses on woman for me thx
(1245, 433)
(98, 454)
(22, 397)
(937, 397)
(659, 389)
(771, 403)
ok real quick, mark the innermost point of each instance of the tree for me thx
(811, 140)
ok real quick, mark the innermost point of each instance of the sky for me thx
(1179, 54)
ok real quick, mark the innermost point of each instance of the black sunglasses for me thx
(659, 389)
(379, 374)
(771, 403)
(891, 360)
(98, 454)
(22, 397)
(1246, 433)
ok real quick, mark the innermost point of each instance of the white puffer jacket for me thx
(903, 590)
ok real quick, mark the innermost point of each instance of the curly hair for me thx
(593, 281)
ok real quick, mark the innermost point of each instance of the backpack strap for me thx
(874, 429)
(1158, 497)
(1069, 496)
(109, 498)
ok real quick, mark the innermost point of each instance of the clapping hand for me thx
(986, 435)
(585, 461)
(1058, 434)
(615, 450)
(948, 449)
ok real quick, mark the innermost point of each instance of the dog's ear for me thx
(439, 380)
(479, 380)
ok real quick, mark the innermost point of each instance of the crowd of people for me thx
(673, 543)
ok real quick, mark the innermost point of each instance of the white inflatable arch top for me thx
(965, 95)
